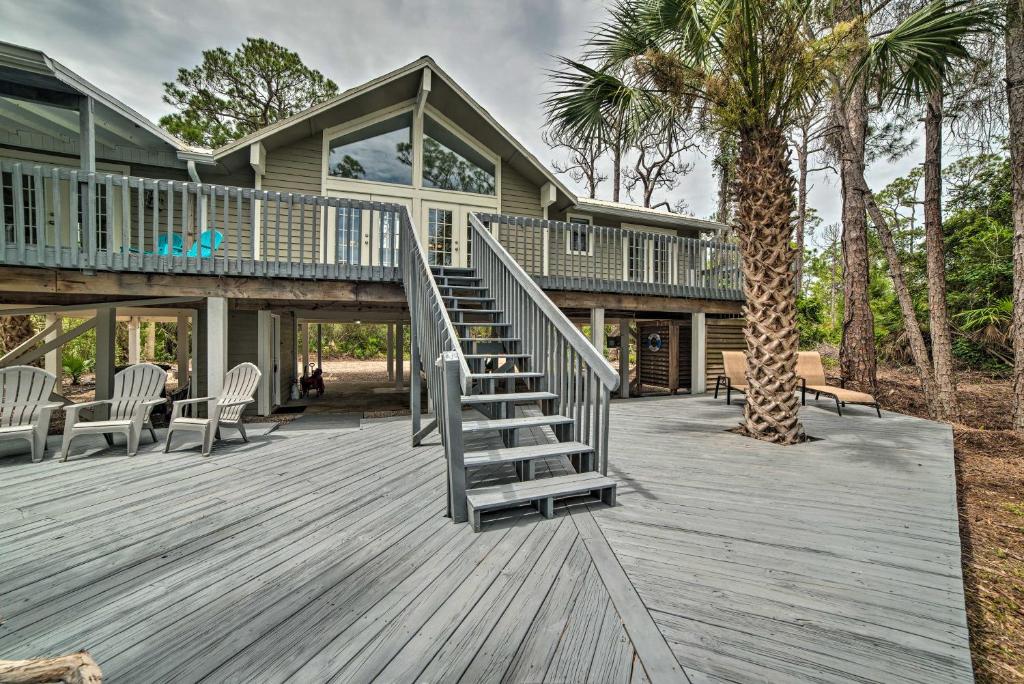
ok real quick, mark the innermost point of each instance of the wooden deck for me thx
(320, 553)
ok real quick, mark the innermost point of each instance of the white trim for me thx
(572, 218)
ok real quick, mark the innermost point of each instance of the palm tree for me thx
(749, 66)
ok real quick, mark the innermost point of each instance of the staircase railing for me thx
(573, 368)
(436, 353)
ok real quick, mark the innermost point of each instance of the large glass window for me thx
(381, 152)
(349, 236)
(579, 235)
(451, 164)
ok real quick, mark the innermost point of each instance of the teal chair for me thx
(176, 248)
(209, 242)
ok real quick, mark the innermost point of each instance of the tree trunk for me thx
(14, 330)
(1015, 97)
(77, 668)
(764, 225)
(857, 357)
(801, 208)
(616, 170)
(946, 404)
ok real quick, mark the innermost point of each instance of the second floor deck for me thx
(56, 217)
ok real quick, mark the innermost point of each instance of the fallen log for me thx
(77, 668)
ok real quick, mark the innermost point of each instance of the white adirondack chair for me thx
(240, 385)
(25, 406)
(136, 392)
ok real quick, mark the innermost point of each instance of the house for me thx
(301, 222)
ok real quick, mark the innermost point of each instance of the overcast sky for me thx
(498, 50)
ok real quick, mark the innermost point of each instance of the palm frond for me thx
(911, 60)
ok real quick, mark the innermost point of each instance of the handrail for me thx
(68, 218)
(573, 370)
(564, 255)
(572, 334)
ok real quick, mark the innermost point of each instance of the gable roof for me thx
(657, 217)
(25, 71)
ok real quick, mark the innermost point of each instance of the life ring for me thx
(654, 342)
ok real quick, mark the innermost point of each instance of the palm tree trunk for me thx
(946, 403)
(14, 330)
(764, 225)
(617, 169)
(1015, 97)
(857, 356)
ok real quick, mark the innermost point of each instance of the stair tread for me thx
(499, 496)
(499, 354)
(488, 339)
(524, 453)
(482, 324)
(512, 423)
(477, 311)
(510, 396)
(505, 375)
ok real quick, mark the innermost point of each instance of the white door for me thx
(444, 230)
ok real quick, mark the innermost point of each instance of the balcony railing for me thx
(66, 218)
(571, 256)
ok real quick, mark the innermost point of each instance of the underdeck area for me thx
(320, 552)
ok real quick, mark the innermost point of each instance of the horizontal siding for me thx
(519, 197)
(296, 168)
(723, 334)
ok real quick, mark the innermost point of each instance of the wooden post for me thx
(216, 344)
(264, 361)
(106, 328)
(597, 328)
(457, 506)
(320, 346)
(52, 360)
(698, 353)
(624, 358)
(390, 350)
(673, 356)
(87, 133)
(414, 379)
(304, 343)
(182, 350)
(134, 330)
(399, 355)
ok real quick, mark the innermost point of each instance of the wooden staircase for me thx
(502, 382)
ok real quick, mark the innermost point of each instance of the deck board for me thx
(319, 552)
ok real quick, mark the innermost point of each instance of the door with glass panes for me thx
(446, 233)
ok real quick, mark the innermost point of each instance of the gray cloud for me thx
(498, 51)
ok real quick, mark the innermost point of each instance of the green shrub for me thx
(75, 366)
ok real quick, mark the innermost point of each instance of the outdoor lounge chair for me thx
(812, 378)
(223, 410)
(735, 375)
(206, 244)
(25, 406)
(137, 391)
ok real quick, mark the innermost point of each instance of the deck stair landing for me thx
(504, 382)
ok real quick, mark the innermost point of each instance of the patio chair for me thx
(735, 376)
(137, 391)
(206, 244)
(25, 406)
(812, 377)
(224, 410)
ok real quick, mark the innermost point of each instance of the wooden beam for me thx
(87, 133)
(216, 344)
(566, 299)
(29, 343)
(182, 350)
(34, 354)
(27, 280)
(698, 353)
(98, 306)
(106, 344)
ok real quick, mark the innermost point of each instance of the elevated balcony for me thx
(64, 218)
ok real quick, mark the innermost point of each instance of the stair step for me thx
(513, 423)
(474, 288)
(513, 375)
(517, 397)
(481, 324)
(481, 340)
(524, 453)
(457, 278)
(498, 354)
(456, 270)
(468, 299)
(477, 311)
(543, 492)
